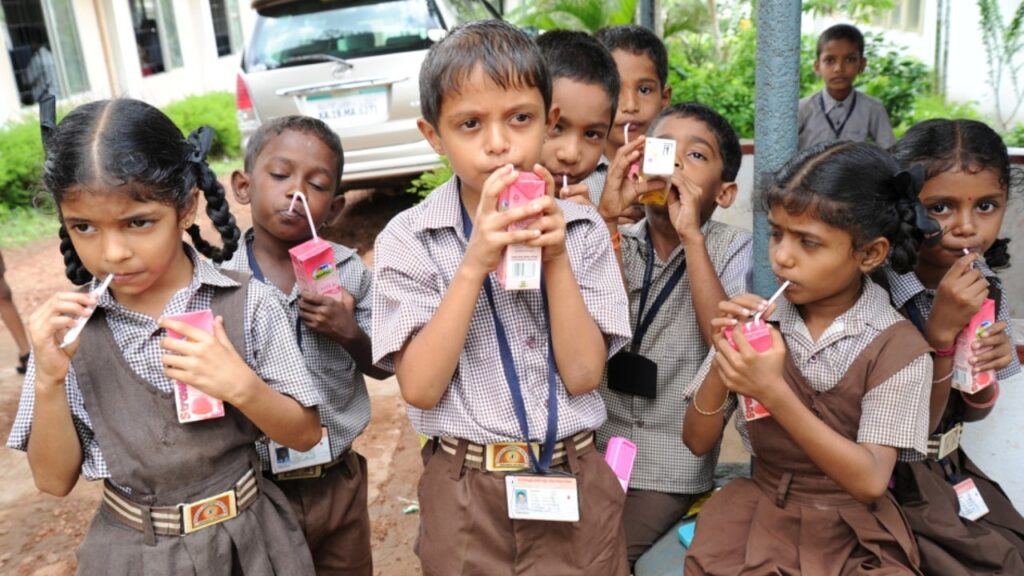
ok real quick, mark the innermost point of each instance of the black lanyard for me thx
(257, 273)
(644, 322)
(512, 378)
(837, 131)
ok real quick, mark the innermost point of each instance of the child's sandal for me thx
(22, 364)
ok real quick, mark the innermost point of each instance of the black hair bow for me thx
(907, 184)
(201, 140)
(47, 117)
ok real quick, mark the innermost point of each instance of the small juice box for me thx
(193, 405)
(659, 160)
(313, 261)
(963, 379)
(620, 455)
(760, 339)
(520, 265)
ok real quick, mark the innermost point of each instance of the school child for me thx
(678, 264)
(483, 368)
(585, 89)
(10, 317)
(328, 492)
(845, 381)
(967, 173)
(642, 61)
(839, 111)
(178, 497)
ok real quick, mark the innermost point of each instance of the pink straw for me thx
(309, 217)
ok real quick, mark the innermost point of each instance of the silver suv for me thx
(355, 65)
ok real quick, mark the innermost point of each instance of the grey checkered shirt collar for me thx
(442, 209)
(204, 273)
(862, 314)
(904, 287)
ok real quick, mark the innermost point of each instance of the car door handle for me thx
(350, 84)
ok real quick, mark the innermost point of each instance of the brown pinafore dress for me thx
(165, 463)
(791, 518)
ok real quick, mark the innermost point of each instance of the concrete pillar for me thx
(777, 85)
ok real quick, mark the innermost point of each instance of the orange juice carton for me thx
(760, 338)
(193, 405)
(313, 261)
(963, 379)
(520, 265)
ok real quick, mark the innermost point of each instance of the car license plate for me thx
(351, 108)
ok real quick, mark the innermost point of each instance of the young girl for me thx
(967, 184)
(178, 498)
(845, 381)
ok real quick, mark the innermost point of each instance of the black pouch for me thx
(631, 373)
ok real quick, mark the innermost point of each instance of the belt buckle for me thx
(509, 456)
(208, 511)
(945, 444)
(302, 473)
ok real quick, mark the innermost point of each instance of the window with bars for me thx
(156, 35)
(41, 39)
(227, 28)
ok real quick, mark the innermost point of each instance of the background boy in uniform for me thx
(585, 89)
(298, 153)
(839, 111)
(678, 251)
(486, 99)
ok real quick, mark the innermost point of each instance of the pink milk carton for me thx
(760, 338)
(963, 379)
(193, 405)
(620, 455)
(313, 261)
(520, 265)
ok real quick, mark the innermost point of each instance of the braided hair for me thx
(131, 147)
(859, 188)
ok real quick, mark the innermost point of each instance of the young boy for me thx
(840, 112)
(484, 368)
(10, 317)
(328, 493)
(678, 257)
(585, 89)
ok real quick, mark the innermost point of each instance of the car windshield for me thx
(294, 33)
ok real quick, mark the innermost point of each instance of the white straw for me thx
(625, 133)
(71, 335)
(565, 182)
(757, 317)
(309, 217)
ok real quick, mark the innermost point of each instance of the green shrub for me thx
(214, 109)
(21, 162)
(426, 182)
(1015, 138)
(930, 106)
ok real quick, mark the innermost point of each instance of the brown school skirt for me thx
(332, 513)
(465, 529)
(951, 545)
(741, 530)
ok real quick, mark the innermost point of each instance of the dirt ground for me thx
(39, 533)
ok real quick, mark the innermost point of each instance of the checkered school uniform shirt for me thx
(674, 342)
(595, 181)
(270, 351)
(894, 413)
(416, 258)
(345, 410)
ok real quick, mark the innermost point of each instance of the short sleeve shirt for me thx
(893, 413)
(345, 410)
(416, 258)
(674, 342)
(595, 181)
(859, 118)
(270, 352)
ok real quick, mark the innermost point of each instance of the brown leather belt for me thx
(187, 517)
(512, 456)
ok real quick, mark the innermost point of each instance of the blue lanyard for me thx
(512, 378)
(644, 322)
(257, 273)
(837, 131)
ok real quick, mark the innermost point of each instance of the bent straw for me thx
(305, 204)
(71, 335)
(757, 317)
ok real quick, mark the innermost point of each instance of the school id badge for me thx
(551, 498)
(972, 505)
(284, 459)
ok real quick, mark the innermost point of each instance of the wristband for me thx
(945, 352)
(982, 406)
(944, 378)
(712, 412)
(617, 241)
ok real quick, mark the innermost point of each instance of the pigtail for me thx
(998, 255)
(216, 201)
(914, 224)
(73, 267)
